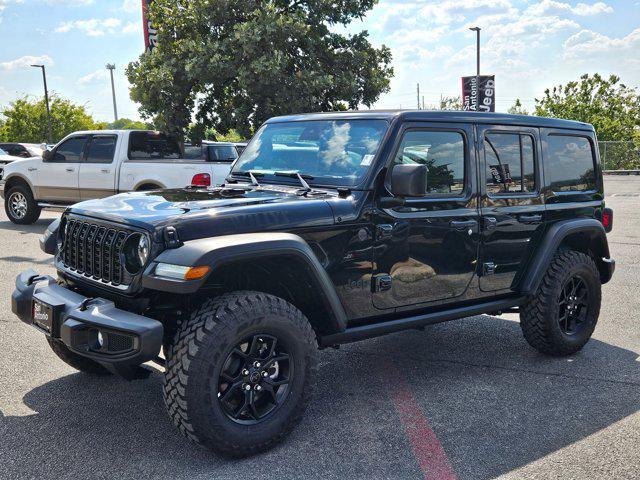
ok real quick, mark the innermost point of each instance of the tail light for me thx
(607, 219)
(201, 180)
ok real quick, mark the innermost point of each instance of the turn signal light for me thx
(201, 180)
(607, 219)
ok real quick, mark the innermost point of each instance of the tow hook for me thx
(85, 304)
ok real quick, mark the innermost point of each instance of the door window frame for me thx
(85, 155)
(482, 129)
(468, 192)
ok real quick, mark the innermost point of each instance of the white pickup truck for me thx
(95, 164)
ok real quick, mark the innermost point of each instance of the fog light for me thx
(100, 339)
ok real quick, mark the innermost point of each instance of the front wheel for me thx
(20, 206)
(560, 318)
(240, 372)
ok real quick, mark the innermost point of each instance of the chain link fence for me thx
(620, 155)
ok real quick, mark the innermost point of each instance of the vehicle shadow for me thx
(493, 402)
(38, 227)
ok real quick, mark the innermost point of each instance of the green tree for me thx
(451, 103)
(517, 108)
(128, 124)
(610, 106)
(235, 63)
(26, 119)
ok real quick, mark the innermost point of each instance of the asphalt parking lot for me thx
(465, 399)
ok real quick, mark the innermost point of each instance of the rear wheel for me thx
(76, 361)
(561, 317)
(20, 206)
(240, 372)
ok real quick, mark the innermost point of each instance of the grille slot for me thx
(94, 251)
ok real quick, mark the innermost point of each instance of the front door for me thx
(58, 176)
(97, 172)
(426, 250)
(511, 204)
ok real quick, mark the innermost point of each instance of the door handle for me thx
(105, 170)
(530, 218)
(462, 224)
(70, 169)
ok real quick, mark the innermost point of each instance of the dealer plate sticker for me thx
(42, 315)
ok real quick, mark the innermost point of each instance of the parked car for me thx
(95, 164)
(5, 157)
(22, 150)
(331, 228)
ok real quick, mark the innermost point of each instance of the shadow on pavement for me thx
(494, 403)
(38, 227)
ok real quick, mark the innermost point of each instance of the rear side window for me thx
(510, 163)
(222, 153)
(193, 152)
(70, 151)
(101, 149)
(152, 146)
(443, 154)
(571, 164)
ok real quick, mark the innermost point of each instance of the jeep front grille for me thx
(94, 251)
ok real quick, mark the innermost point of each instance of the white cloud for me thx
(588, 43)
(100, 74)
(26, 61)
(69, 3)
(131, 6)
(554, 7)
(95, 27)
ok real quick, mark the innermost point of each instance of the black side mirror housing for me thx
(46, 155)
(409, 180)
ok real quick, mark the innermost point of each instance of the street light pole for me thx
(46, 101)
(111, 67)
(477, 30)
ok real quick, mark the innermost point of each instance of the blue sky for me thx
(528, 45)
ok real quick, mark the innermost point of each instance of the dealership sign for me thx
(150, 33)
(486, 93)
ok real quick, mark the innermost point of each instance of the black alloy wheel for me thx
(254, 380)
(573, 305)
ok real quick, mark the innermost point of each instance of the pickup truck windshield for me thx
(324, 151)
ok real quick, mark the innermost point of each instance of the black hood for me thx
(200, 213)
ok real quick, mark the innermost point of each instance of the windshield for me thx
(2, 152)
(337, 152)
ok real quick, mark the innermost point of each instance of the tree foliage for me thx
(451, 103)
(128, 124)
(517, 108)
(610, 106)
(26, 120)
(238, 62)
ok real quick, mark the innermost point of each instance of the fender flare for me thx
(592, 231)
(20, 176)
(218, 251)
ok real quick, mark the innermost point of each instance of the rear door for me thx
(97, 171)
(426, 250)
(58, 176)
(512, 205)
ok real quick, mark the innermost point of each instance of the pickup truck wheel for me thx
(76, 361)
(20, 206)
(241, 372)
(561, 317)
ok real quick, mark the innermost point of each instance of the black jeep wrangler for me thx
(331, 228)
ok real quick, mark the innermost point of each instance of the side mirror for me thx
(409, 180)
(47, 155)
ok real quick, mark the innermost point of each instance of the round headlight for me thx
(136, 251)
(143, 250)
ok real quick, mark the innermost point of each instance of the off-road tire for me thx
(539, 316)
(203, 342)
(33, 210)
(76, 361)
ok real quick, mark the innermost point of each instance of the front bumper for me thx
(128, 340)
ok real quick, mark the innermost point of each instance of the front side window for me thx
(336, 152)
(152, 146)
(443, 154)
(101, 149)
(222, 153)
(510, 161)
(70, 151)
(571, 164)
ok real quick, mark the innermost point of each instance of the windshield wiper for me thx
(300, 177)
